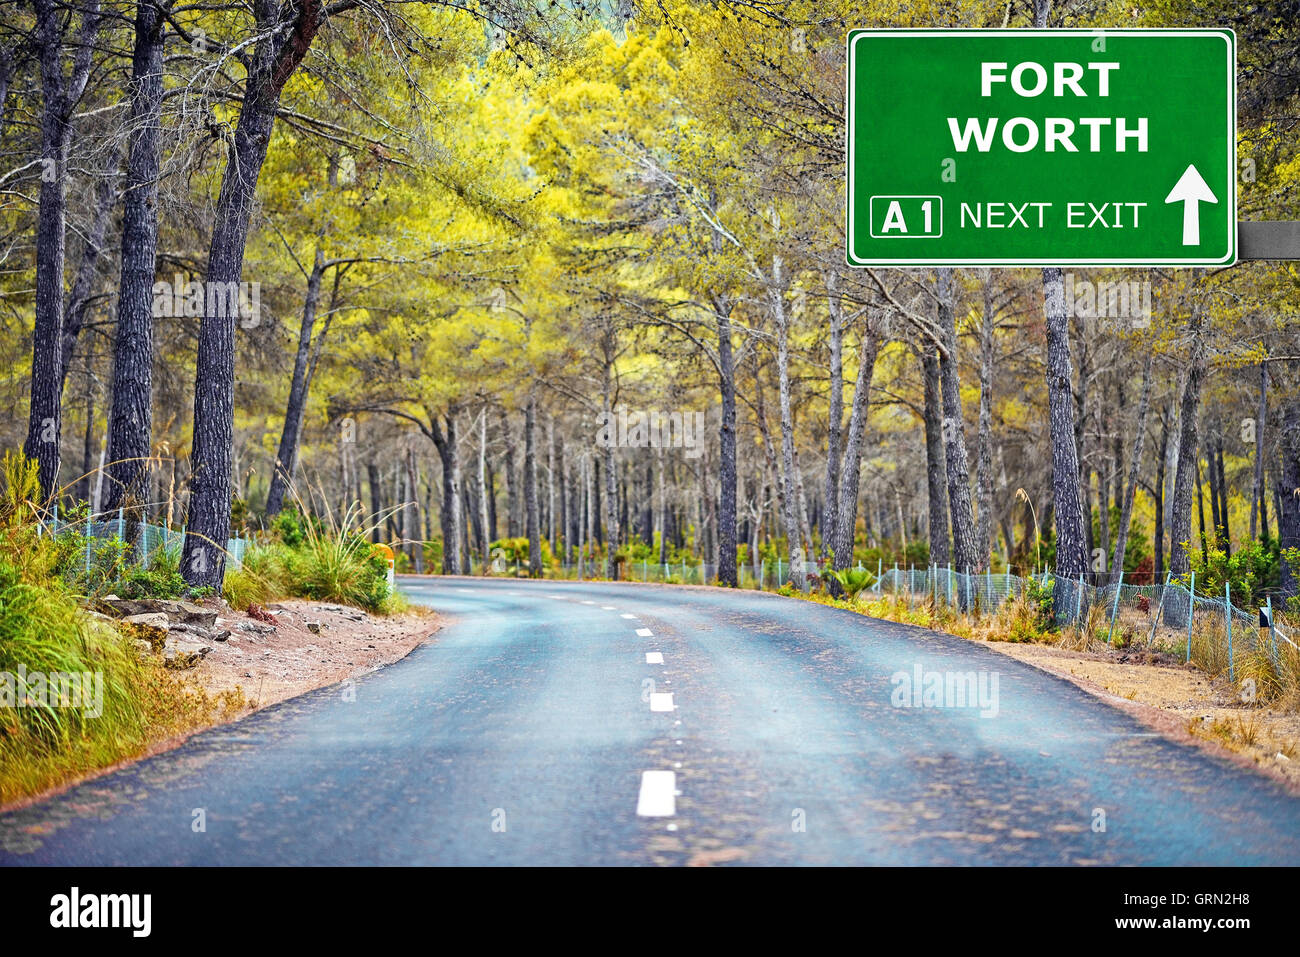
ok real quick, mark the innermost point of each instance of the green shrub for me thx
(854, 580)
(161, 578)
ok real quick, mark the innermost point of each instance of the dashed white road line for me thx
(644, 633)
(584, 602)
(654, 657)
(661, 701)
(658, 797)
(627, 616)
(608, 608)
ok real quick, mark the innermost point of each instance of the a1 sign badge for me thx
(1041, 147)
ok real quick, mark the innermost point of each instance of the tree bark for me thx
(415, 548)
(1257, 492)
(1071, 560)
(984, 441)
(287, 31)
(966, 555)
(530, 489)
(1185, 477)
(727, 446)
(850, 471)
(1130, 490)
(60, 95)
(1160, 499)
(450, 514)
(936, 469)
(1288, 519)
(130, 421)
(794, 541)
(835, 417)
(485, 522)
(286, 459)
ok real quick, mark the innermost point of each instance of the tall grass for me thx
(45, 632)
(320, 555)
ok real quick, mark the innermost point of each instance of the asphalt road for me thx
(524, 732)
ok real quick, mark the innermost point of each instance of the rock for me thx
(200, 634)
(255, 628)
(181, 653)
(314, 627)
(192, 614)
(149, 620)
(147, 630)
(176, 611)
(145, 648)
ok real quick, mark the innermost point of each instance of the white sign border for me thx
(1226, 34)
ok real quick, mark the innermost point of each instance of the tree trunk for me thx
(445, 443)
(835, 423)
(727, 447)
(530, 489)
(936, 469)
(60, 95)
(376, 500)
(286, 459)
(1257, 490)
(1200, 512)
(847, 511)
(1071, 559)
(1160, 500)
(270, 64)
(92, 251)
(130, 421)
(485, 523)
(1135, 467)
(415, 548)
(794, 541)
(1288, 519)
(984, 442)
(1180, 526)
(966, 555)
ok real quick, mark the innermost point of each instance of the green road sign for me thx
(1041, 147)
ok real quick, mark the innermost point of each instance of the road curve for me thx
(523, 732)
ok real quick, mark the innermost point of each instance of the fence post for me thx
(1272, 632)
(950, 585)
(779, 576)
(1227, 615)
(988, 583)
(1191, 614)
(1078, 602)
(1159, 609)
(87, 548)
(742, 574)
(121, 524)
(1114, 610)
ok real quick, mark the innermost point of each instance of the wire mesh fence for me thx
(145, 538)
(1211, 631)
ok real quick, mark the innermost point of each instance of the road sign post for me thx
(1041, 147)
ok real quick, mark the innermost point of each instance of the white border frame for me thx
(1229, 258)
(871, 215)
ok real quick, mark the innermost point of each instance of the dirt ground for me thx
(271, 662)
(1180, 701)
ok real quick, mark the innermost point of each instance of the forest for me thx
(515, 285)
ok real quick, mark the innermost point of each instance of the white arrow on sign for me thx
(1191, 190)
